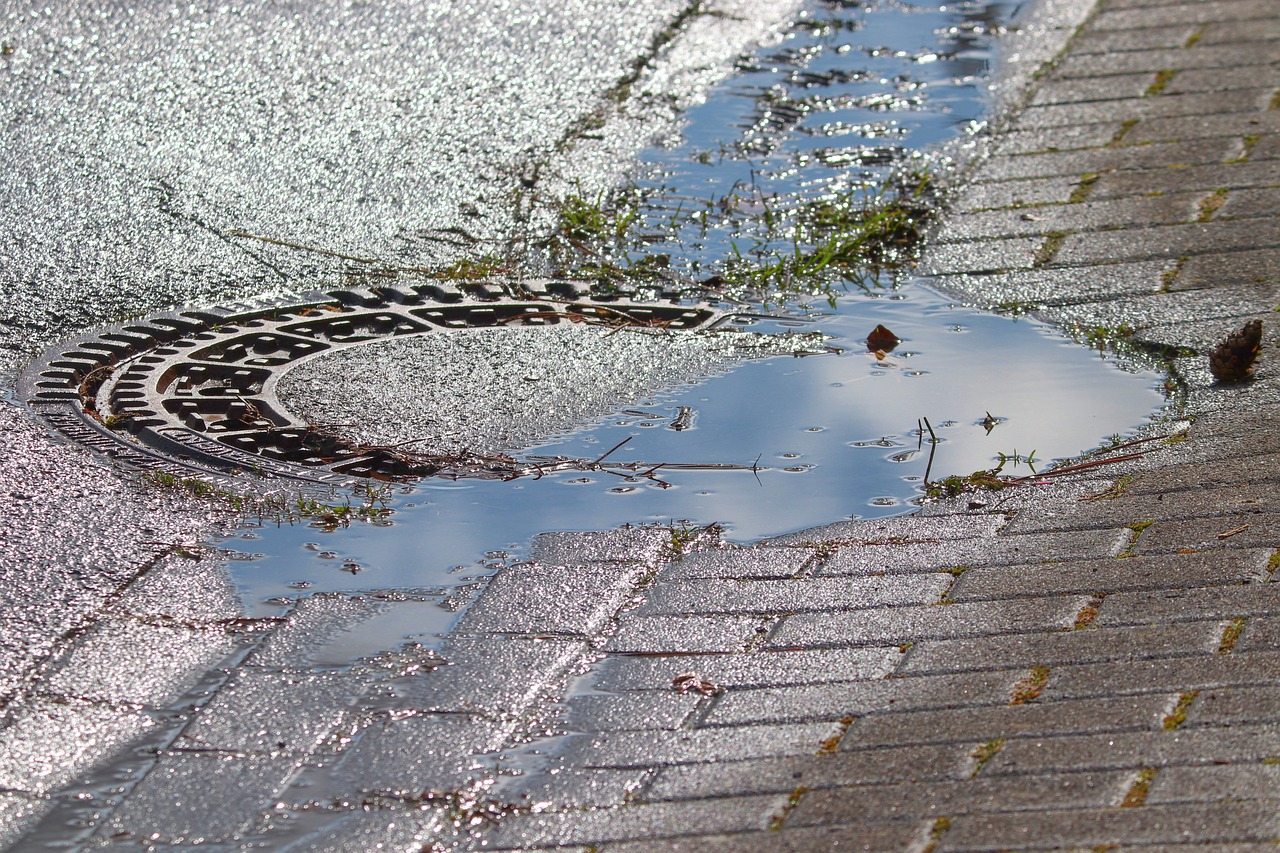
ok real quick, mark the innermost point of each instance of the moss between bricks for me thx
(1178, 715)
(1137, 794)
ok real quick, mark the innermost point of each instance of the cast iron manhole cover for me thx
(193, 392)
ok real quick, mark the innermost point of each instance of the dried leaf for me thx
(881, 340)
(1233, 359)
(687, 682)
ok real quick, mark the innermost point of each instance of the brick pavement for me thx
(1087, 664)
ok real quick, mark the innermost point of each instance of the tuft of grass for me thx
(985, 752)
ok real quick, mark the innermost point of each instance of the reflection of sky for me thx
(811, 414)
(831, 417)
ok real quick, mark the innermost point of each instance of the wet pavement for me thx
(1076, 663)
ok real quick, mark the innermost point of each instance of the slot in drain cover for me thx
(192, 392)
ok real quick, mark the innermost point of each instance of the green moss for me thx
(1178, 715)
(984, 753)
(1137, 793)
(1162, 80)
(1030, 687)
(1230, 635)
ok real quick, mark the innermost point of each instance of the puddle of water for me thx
(834, 436)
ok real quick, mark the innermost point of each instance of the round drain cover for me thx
(193, 392)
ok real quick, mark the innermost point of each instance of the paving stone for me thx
(650, 709)
(1215, 79)
(1171, 605)
(577, 787)
(977, 725)
(416, 754)
(46, 744)
(657, 820)
(384, 829)
(1230, 705)
(185, 590)
(1075, 90)
(1168, 241)
(900, 530)
(842, 699)
(1102, 644)
(687, 634)
(1165, 106)
(1183, 13)
(867, 803)
(1060, 286)
(1220, 58)
(1199, 151)
(792, 596)
(1209, 177)
(199, 799)
(19, 813)
(741, 563)
(1142, 38)
(1088, 827)
(498, 677)
(757, 669)
(724, 743)
(1065, 139)
(533, 598)
(123, 661)
(1260, 633)
(1223, 782)
(1260, 530)
(269, 712)
(1259, 468)
(784, 775)
(1112, 574)
(1114, 213)
(913, 624)
(1118, 750)
(1015, 253)
(629, 545)
(1031, 192)
(315, 621)
(1210, 124)
(1206, 671)
(814, 839)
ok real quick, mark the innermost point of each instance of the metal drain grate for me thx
(191, 392)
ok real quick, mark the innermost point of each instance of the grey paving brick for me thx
(533, 598)
(784, 775)
(1201, 672)
(1089, 827)
(497, 676)
(867, 803)
(576, 787)
(1183, 13)
(792, 596)
(1195, 177)
(1168, 241)
(837, 700)
(199, 799)
(1250, 781)
(1003, 550)
(123, 661)
(1064, 139)
(657, 820)
(1257, 468)
(1230, 705)
(1263, 530)
(1216, 79)
(1061, 286)
(902, 529)
(759, 668)
(1074, 90)
(315, 621)
(268, 712)
(649, 709)
(1103, 644)
(811, 839)
(977, 725)
(912, 624)
(1192, 127)
(19, 813)
(1226, 57)
(1118, 750)
(385, 828)
(1031, 192)
(1113, 574)
(1171, 605)
(1260, 633)
(740, 563)
(1015, 253)
(46, 744)
(1197, 104)
(1267, 148)
(1254, 265)
(184, 590)
(1115, 213)
(1094, 160)
(1248, 203)
(687, 634)
(725, 743)
(1144, 38)
(628, 545)
(416, 754)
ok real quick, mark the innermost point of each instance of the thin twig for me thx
(602, 456)
(933, 447)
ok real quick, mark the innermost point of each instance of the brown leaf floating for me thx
(1233, 359)
(881, 340)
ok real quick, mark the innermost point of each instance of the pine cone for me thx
(1232, 360)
